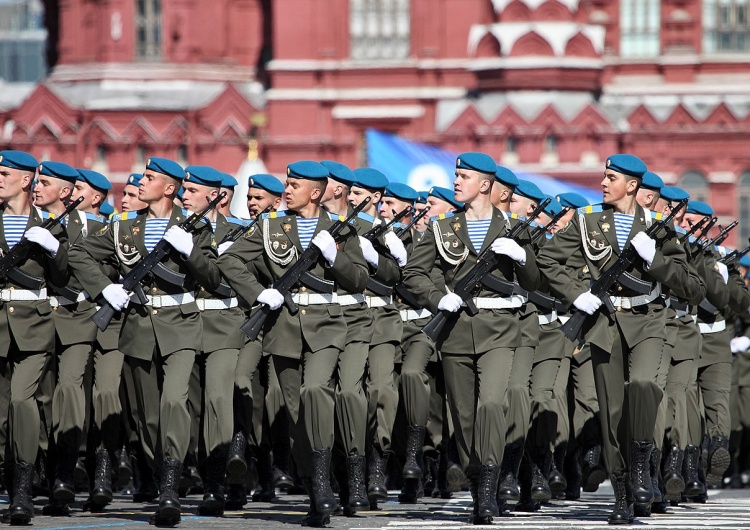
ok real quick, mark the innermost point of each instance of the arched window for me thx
(696, 185)
(379, 29)
(148, 30)
(743, 196)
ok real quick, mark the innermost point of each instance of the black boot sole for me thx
(593, 480)
(717, 465)
(674, 487)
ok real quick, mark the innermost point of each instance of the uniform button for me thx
(154, 311)
(203, 288)
(303, 289)
(153, 289)
(11, 309)
(304, 311)
(619, 288)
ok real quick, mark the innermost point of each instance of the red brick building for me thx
(547, 86)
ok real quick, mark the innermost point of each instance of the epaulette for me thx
(591, 208)
(366, 217)
(680, 230)
(534, 224)
(124, 216)
(237, 221)
(47, 215)
(96, 217)
(398, 226)
(335, 217)
(274, 215)
(442, 216)
(516, 216)
(657, 216)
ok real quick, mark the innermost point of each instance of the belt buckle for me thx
(201, 303)
(626, 303)
(156, 302)
(303, 299)
(5, 295)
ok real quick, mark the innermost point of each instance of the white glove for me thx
(371, 255)
(739, 344)
(396, 248)
(450, 302)
(508, 247)
(723, 271)
(116, 295)
(645, 246)
(223, 247)
(272, 298)
(180, 240)
(43, 238)
(324, 241)
(587, 302)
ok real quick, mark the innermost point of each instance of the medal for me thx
(283, 245)
(286, 227)
(605, 227)
(456, 227)
(275, 245)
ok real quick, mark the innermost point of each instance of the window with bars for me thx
(148, 36)
(726, 26)
(379, 29)
(639, 28)
(696, 185)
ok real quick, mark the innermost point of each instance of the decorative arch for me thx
(531, 44)
(580, 46)
(516, 11)
(489, 46)
(552, 10)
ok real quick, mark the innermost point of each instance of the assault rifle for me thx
(573, 328)
(378, 230)
(20, 251)
(540, 230)
(734, 256)
(241, 230)
(401, 232)
(720, 237)
(297, 272)
(699, 242)
(685, 238)
(132, 280)
(486, 263)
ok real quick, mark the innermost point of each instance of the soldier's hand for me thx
(396, 248)
(450, 302)
(43, 238)
(588, 303)
(324, 241)
(371, 255)
(739, 344)
(507, 247)
(723, 271)
(180, 240)
(116, 295)
(223, 247)
(645, 246)
(272, 298)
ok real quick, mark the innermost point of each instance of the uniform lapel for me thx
(3, 243)
(639, 222)
(138, 233)
(607, 226)
(458, 225)
(74, 228)
(288, 225)
(497, 228)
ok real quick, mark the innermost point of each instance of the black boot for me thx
(487, 491)
(655, 470)
(314, 517)
(214, 501)
(556, 480)
(325, 502)
(411, 491)
(64, 489)
(526, 503)
(236, 462)
(169, 510)
(592, 470)
(476, 518)
(124, 467)
(508, 488)
(236, 497)
(540, 490)
(101, 494)
(441, 474)
(573, 475)
(430, 475)
(718, 461)
(621, 513)
(414, 445)
(376, 490)
(21, 508)
(640, 475)
(693, 485)
(357, 489)
(264, 469)
(147, 490)
(674, 484)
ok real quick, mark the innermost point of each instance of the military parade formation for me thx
(370, 336)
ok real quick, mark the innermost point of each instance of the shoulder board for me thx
(366, 217)
(237, 221)
(124, 216)
(95, 217)
(516, 216)
(442, 216)
(591, 208)
(657, 215)
(534, 224)
(274, 215)
(46, 215)
(335, 218)
(680, 230)
(396, 226)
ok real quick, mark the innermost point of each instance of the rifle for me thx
(693, 229)
(400, 232)
(132, 280)
(573, 328)
(241, 230)
(20, 251)
(719, 239)
(735, 256)
(697, 242)
(486, 263)
(378, 230)
(540, 230)
(296, 273)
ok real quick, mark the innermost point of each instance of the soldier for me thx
(627, 346)
(27, 330)
(474, 348)
(305, 345)
(130, 201)
(159, 338)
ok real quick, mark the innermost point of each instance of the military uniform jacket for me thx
(73, 321)
(588, 245)
(170, 328)
(275, 245)
(30, 322)
(447, 249)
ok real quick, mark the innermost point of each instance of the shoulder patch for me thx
(95, 217)
(656, 215)
(595, 208)
(47, 215)
(680, 230)
(237, 221)
(124, 216)
(366, 217)
(442, 216)
(274, 215)
(521, 218)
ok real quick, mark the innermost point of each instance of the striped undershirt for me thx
(623, 224)
(155, 228)
(305, 230)
(478, 231)
(15, 226)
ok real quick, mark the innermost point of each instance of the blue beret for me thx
(445, 194)
(699, 207)
(673, 193)
(553, 207)
(528, 189)
(401, 191)
(652, 181)
(476, 162)
(58, 170)
(166, 167)
(228, 181)
(422, 197)
(505, 176)
(203, 175)
(369, 178)
(572, 200)
(339, 172)
(134, 179)
(96, 180)
(307, 169)
(745, 260)
(18, 160)
(266, 182)
(627, 165)
(106, 209)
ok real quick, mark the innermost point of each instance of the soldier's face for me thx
(258, 200)
(389, 204)
(689, 219)
(91, 196)
(13, 182)
(520, 205)
(195, 197)
(469, 184)
(421, 225)
(357, 195)
(616, 186)
(130, 200)
(298, 193)
(155, 186)
(438, 206)
(49, 190)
